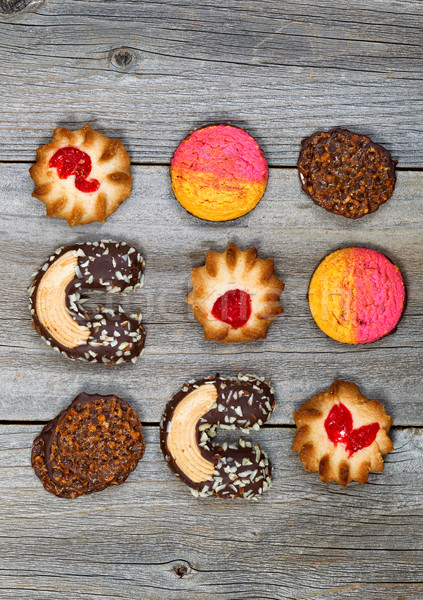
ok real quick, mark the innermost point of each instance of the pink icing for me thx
(380, 295)
(224, 150)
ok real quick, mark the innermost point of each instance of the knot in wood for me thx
(122, 59)
(181, 569)
(13, 6)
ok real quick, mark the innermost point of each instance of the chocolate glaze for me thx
(240, 469)
(71, 456)
(114, 267)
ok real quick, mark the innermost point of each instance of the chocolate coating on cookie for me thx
(109, 336)
(190, 421)
(94, 443)
(345, 172)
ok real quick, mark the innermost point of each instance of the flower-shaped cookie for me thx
(235, 295)
(342, 435)
(81, 176)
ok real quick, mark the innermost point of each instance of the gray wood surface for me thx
(300, 541)
(280, 68)
(148, 72)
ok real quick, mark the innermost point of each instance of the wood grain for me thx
(281, 70)
(286, 225)
(149, 539)
(148, 73)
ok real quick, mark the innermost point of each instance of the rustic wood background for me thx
(148, 72)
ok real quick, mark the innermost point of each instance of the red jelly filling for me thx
(339, 428)
(233, 308)
(72, 161)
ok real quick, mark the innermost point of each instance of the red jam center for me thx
(233, 308)
(72, 161)
(339, 428)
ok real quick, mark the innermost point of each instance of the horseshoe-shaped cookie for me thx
(190, 421)
(109, 336)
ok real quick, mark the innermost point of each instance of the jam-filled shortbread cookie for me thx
(110, 336)
(218, 173)
(235, 295)
(342, 435)
(94, 443)
(345, 172)
(356, 295)
(81, 176)
(190, 421)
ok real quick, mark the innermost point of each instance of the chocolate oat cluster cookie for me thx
(345, 172)
(94, 443)
(110, 336)
(190, 421)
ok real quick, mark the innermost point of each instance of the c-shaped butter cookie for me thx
(190, 421)
(109, 336)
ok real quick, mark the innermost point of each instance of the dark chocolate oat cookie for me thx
(94, 443)
(345, 172)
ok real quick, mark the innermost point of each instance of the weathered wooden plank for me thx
(37, 385)
(296, 355)
(153, 205)
(151, 71)
(150, 539)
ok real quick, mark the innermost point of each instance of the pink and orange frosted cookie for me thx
(218, 173)
(356, 295)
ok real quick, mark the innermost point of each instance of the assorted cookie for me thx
(356, 295)
(110, 336)
(342, 435)
(94, 443)
(345, 172)
(235, 295)
(190, 421)
(81, 176)
(218, 173)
